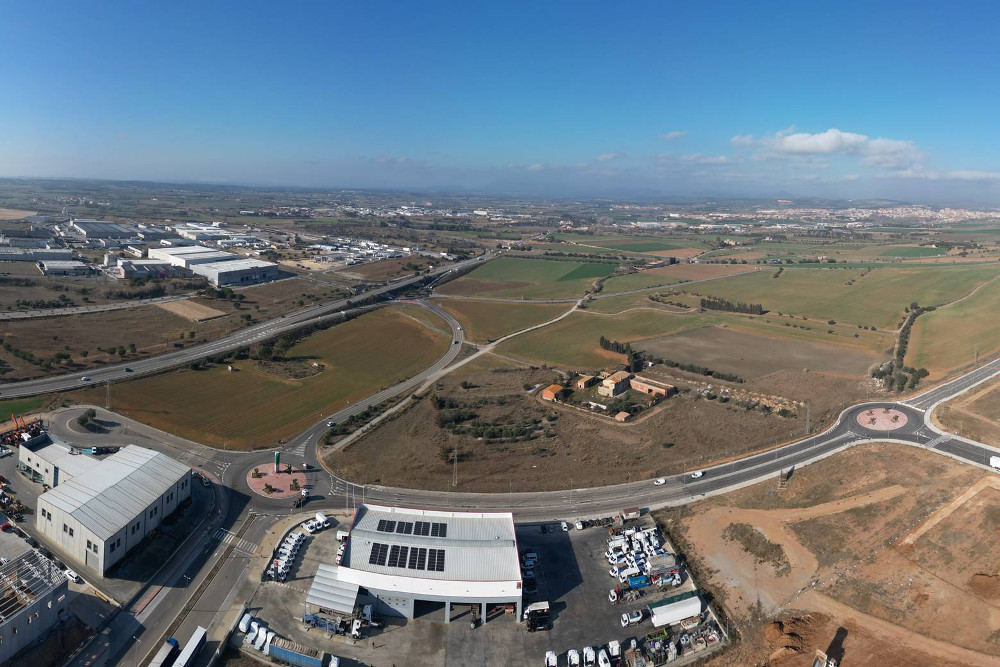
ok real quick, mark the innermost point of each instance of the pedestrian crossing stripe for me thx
(227, 537)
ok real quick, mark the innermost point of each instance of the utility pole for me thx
(454, 473)
(808, 416)
(977, 354)
(107, 395)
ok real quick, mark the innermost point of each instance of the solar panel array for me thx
(411, 558)
(421, 528)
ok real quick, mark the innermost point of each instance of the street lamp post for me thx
(138, 642)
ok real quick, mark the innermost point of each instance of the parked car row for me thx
(609, 656)
(316, 524)
(285, 556)
(257, 634)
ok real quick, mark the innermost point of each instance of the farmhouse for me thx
(584, 381)
(410, 562)
(553, 392)
(652, 387)
(104, 511)
(614, 384)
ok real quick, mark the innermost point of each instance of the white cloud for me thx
(881, 152)
(822, 143)
(698, 158)
(608, 157)
(538, 166)
(673, 134)
(742, 140)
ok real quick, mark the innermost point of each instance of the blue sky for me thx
(694, 98)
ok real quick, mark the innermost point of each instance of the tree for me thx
(84, 353)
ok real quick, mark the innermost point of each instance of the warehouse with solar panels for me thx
(111, 506)
(421, 563)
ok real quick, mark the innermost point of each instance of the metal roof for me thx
(59, 455)
(330, 592)
(111, 495)
(240, 264)
(479, 548)
(674, 612)
(24, 579)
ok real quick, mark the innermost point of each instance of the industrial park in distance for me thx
(333, 335)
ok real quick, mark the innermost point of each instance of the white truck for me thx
(995, 462)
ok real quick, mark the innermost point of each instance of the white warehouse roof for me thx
(239, 264)
(109, 496)
(459, 554)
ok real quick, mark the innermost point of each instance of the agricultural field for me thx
(516, 277)
(22, 406)
(259, 404)
(913, 251)
(870, 297)
(670, 275)
(949, 338)
(484, 321)
(387, 269)
(14, 214)
(920, 565)
(570, 446)
(651, 245)
(574, 341)
(752, 355)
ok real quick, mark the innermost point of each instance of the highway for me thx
(244, 337)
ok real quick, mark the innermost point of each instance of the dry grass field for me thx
(191, 310)
(14, 214)
(670, 275)
(521, 277)
(749, 355)
(873, 536)
(256, 406)
(975, 415)
(685, 432)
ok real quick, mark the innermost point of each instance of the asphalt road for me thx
(242, 338)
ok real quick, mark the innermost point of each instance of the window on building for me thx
(90, 545)
(65, 528)
(118, 542)
(95, 548)
(71, 532)
(112, 547)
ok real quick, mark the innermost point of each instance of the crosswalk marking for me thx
(238, 543)
(299, 449)
(941, 439)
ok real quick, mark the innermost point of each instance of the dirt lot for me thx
(749, 355)
(975, 415)
(577, 447)
(14, 214)
(792, 641)
(874, 537)
(191, 310)
(387, 269)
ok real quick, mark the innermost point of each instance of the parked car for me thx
(551, 659)
(72, 576)
(245, 622)
(589, 657)
(205, 481)
(7, 526)
(573, 658)
(632, 618)
(5, 452)
(565, 527)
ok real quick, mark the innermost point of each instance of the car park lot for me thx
(570, 572)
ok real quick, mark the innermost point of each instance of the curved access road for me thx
(252, 334)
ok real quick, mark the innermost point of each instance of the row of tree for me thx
(718, 303)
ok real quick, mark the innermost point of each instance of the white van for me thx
(322, 520)
(995, 462)
(623, 575)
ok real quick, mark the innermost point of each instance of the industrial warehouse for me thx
(110, 506)
(415, 563)
(32, 598)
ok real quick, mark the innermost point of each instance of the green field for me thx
(516, 277)
(948, 338)
(639, 244)
(876, 299)
(254, 408)
(574, 341)
(913, 251)
(22, 406)
(484, 321)
(640, 280)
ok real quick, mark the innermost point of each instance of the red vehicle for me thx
(6, 527)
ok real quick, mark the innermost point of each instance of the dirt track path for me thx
(815, 601)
